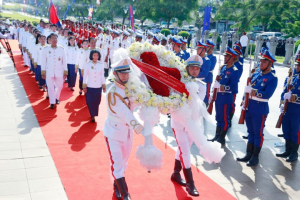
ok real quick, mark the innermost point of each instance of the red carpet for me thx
(81, 156)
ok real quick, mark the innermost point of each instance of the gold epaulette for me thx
(112, 100)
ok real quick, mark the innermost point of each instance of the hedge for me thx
(165, 32)
(184, 34)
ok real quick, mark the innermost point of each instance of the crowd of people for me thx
(61, 54)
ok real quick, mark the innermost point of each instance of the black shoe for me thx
(47, 97)
(221, 138)
(247, 157)
(116, 191)
(280, 135)
(123, 188)
(254, 159)
(245, 137)
(80, 92)
(93, 119)
(176, 174)
(169, 115)
(287, 151)
(294, 153)
(25, 66)
(66, 81)
(72, 89)
(190, 186)
(52, 106)
(57, 101)
(218, 131)
(40, 87)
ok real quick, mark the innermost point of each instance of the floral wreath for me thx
(159, 95)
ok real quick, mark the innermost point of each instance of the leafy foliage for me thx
(165, 32)
(184, 34)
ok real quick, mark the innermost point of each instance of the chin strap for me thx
(267, 67)
(124, 82)
(228, 60)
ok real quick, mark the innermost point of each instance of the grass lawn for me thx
(279, 59)
(15, 15)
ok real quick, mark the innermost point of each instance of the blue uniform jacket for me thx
(186, 54)
(265, 84)
(239, 65)
(204, 68)
(213, 61)
(229, 78)
(180, 55)
(295, 89)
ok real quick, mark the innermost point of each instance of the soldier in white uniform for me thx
(184, 142)
(54, 69)
(83, 57)
(23, 41)
(125, 43)
(150, 36)
(115, 44)
(139, 37)
(118, 128)
(100, 38)
(106, 51)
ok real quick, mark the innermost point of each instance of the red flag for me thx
(53, 16)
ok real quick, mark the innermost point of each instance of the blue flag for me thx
(206, 19)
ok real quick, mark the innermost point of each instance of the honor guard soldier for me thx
(139, 37)
(176, 48)
(183, 48)
(150, 36)
(238, 43)
(261, 90)
(54, 69)
(291, 117)
(213, 60)
(119, 126)
(184, 141)
(100, 37)
(227, 86)
(237, 61)
(155, 41)
(125, 43)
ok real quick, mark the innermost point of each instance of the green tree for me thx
(168, 9)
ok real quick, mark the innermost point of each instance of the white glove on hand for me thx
(248, 89)
(242, 107)
(287, 95)
(281, 108)
(216, 85)
(210, 98)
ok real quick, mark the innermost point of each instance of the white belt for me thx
(224, 91)
(295, 102)
(259, 99)
(116, 119)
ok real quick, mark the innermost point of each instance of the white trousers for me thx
(119, 153)
(54, 86)
(26, 59)
(183, 152)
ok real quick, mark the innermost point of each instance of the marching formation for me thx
(57, 55)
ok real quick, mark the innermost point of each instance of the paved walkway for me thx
(27, 170)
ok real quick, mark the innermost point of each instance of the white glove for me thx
(287, 95)
(248, 89)
(216, 85)
(281, 108)
(210, 98)
(242, 107)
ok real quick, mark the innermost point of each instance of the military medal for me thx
(58, 58)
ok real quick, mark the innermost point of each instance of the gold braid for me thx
(110, 103)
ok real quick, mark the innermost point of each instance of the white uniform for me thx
(23, 42)
(115, 45)
(100, 40)
(93, 74)
(72, 55)
(183, 139)
(37, 54)
(83, 57)
(125, 44)
(118, 129)
(54, 66)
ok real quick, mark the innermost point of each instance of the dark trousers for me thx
(93, 99)
(244, 51)
(71, 75)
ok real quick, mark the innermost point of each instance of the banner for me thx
(206, 19)
(53, 15)
(161, 76)
(131, 18)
